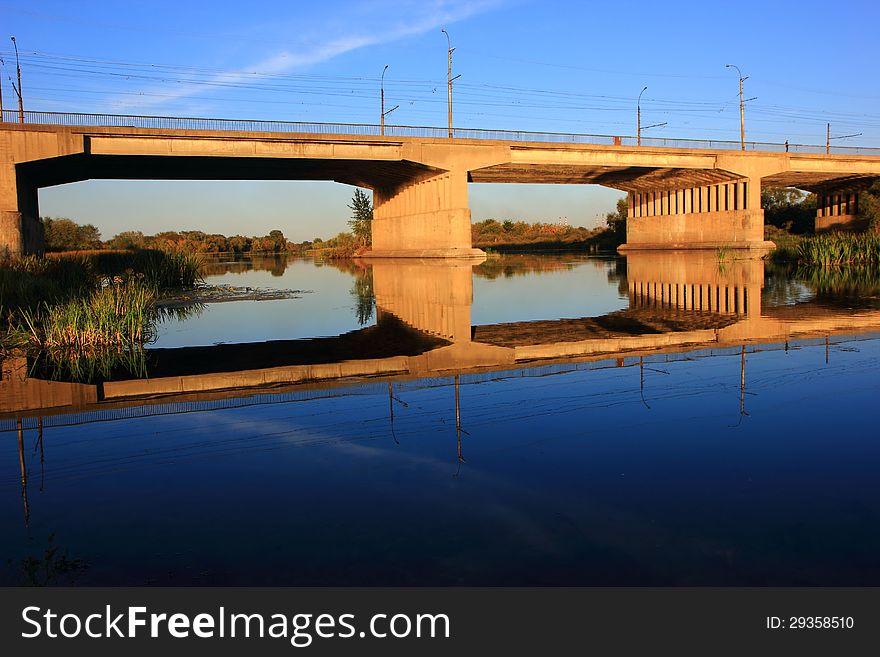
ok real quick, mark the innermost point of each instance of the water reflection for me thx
(423, 324)
(653, 444)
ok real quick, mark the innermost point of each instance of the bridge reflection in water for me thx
(697, 303)
(677, 301)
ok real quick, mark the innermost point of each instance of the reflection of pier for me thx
(693, 300)
(434, 297)
(705, 281)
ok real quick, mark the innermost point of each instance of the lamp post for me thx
(382, 101)
(742, 111)
(382, 94)
(18, 88)
(639, 117)
(449, 78)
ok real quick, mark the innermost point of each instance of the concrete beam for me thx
(420, 184)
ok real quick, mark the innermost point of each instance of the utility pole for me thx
(382, 94)
(828, 137)
(742, 106)
(639, 117)
(449, 77)
(18, 88)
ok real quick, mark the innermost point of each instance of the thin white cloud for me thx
(431, 17)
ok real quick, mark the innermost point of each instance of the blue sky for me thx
(524, 65)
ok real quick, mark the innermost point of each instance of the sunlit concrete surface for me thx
(678, 197)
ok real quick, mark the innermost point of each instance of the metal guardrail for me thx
(75, 119)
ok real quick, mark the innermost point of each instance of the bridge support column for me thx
(726, 214)
(424, 219)
(838, 209)
(21, 232)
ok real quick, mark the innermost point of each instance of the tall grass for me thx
(158, 269)
(85, 337)
(722, 252)
(29, 282)
(838, 249)
(89, 314)
(112, 318)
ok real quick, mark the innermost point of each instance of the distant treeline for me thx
(66, 235)
(523, 236)
(63, 234)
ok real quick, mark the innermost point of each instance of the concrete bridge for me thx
(684, 194)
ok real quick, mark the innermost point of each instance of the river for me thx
(660, 419)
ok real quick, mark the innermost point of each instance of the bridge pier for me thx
(21, 231)
(725, 214)
(427, 218)
(838, 209)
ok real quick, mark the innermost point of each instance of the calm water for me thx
(693, 422)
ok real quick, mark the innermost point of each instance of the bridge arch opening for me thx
(301, 210)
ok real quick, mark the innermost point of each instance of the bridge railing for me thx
(76, 119)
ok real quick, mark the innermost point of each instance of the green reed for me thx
(89, 314)
(839, 249)
(159, 269)
(113, 317)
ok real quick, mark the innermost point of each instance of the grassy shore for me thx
(831, 250)
(87, 313)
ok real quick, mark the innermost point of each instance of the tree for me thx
(789, 209)
(617, 220)
(239, 243)
(279, 242)
(361, 221)
(869, 206)
(90, 236)
(130, 239)
(62, 234)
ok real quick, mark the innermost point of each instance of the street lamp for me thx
(639, 117)
(742, 110)
(449, 77)
(382, 94)
(18, 88)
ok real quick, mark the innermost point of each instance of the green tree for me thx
(239, 243)
(789, 208)
(361, 221)
(278, 240)
(90, 237)
(869, 205)
(129, 239)
(617, 220)
(63, 234)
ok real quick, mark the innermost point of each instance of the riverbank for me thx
(85, 314)
(830, 250)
